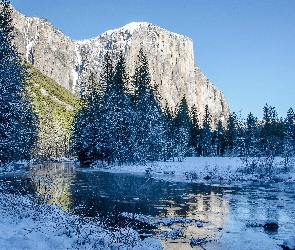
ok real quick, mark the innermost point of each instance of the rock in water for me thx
(271, 225)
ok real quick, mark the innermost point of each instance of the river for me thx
(220, 216)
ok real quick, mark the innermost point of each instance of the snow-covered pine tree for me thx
(289, 138)
(102, 149)
(195, 130)
(117, 116)
(231, 134)
(80, 138)
(17, 120)
(271, 137)
(206, 136)
(218, 139)
(249, 144)
(181, 129)
(149, 131)
(271, 132)
(107, 72)
(168, 126)
(86, 121)
(251, 136)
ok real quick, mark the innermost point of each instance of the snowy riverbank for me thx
(26, 225)
(206, 169)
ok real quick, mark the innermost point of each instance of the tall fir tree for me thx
(251, 140)
(271, 132)
(231, 134)
(195, 130)
(150, 134)
(218, 139)
(116, 117)
(86, 122)
(249, 143)
(18, 129)
(270, 138)
(289, 137)
(181, 129)
(206, 135)
(168, 126)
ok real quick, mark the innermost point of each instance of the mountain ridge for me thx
(170, 57)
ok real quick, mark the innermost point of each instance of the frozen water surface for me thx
(181, 215)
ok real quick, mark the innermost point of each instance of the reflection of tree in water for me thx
(107, 195)
(258, 203)
(52, 183)
(202, 203)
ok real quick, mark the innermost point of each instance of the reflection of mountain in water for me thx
(52, 182)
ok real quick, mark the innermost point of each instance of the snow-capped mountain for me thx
(170, 55)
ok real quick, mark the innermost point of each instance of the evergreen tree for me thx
(251, 136)
(168, 126)
(231, 134)
(182, 117)
(149, 121)
(107, 72)
(195, 131)
(86, 122)
(181, 130)
(271, 138)
(271, 132)
(116, 118)
(206, 136)
(17, 121)
(249, 143)
(289, 137)
(79, 144)
(218, 139)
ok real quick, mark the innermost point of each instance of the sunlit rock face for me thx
(170, 56)
(47, 48)
(171, 64)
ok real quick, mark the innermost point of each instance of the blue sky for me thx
(245, 47)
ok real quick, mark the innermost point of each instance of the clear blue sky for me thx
(246, 47)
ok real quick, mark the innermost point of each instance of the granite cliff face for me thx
(46, 48)
(170, 56)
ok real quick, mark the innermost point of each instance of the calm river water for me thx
(222, 216)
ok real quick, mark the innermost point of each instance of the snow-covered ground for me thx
(205, 169)
(26, 225)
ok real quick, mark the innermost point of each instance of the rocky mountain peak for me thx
(170, 57)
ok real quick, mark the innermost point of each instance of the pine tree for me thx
(168, 126)
(249, 144)
(231, 134)
(271, 137)
(149, 129)
(289, 137)
(271, 132)
(251, 136)
(17, 121)
(181, 130)
(206, 136)
(116, 118)
(86, 122)
(195, 130)
(107, 72)
(182, 117)
(218, 139)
